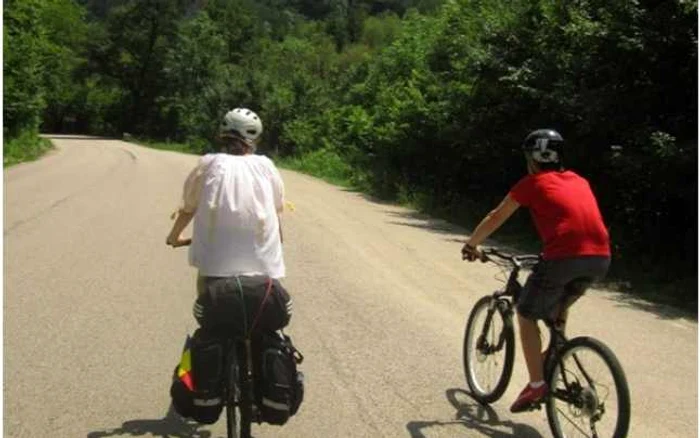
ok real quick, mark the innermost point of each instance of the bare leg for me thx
(559, 317)
(560, 322)
(532, 344)
(562, 313)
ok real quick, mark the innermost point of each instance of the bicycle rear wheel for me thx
(231, 422)
(232, 393)
(246, 410)
(589, 396)
(245, 398)
(488, 351)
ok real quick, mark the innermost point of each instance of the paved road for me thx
(96, 308)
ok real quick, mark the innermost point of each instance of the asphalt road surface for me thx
(96, 308)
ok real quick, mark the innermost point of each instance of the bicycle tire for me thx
(231, 431)
(245, 409)
(469, 351)
(588, 400)
(232, 392)
(245, 397)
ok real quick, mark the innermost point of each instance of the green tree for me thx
(138, 35)
(194, 73)
(25, 46)
(67, 32)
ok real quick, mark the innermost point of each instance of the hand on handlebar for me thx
(176, 242)
(471, 253)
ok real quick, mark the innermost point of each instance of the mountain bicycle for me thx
(588, 395)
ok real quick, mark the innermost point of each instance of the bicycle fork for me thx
(482, 343)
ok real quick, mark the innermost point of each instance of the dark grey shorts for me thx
(547, 284)
(203, 282)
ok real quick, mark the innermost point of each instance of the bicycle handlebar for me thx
(515, 260)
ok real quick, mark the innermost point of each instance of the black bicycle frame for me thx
(554, 354)
(557, 338)
(504, 305)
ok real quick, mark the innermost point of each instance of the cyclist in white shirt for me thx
(236, 199)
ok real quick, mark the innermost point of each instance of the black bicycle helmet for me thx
(544, 146)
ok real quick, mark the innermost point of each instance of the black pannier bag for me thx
(243, 304)
(197, 386)
(279, 385)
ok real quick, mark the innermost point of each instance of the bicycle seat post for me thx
(249, 356)
(556, 331)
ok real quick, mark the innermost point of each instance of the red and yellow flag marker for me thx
(184, 370)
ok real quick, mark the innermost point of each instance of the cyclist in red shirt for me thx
(575, 245)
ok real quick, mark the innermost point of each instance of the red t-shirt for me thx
(565, 213)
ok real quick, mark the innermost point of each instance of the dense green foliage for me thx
(419, 100)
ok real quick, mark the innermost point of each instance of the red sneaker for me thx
(528, 397)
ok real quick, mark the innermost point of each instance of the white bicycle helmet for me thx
(243, 122)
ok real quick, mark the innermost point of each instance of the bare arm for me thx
(183, 219)
(278, 193)
(190, 197)
(279, 220)
(493, 221)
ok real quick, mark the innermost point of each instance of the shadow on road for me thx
(170, 426)
(630, 291)
(366, 196)
(474, 417)
(426, 222)
(661, 310)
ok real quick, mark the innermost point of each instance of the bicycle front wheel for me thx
(489, 349)
(589, 396)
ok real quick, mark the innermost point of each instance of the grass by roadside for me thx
(323, 164)
(28, 146)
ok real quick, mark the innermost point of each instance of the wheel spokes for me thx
(584, 395)
(489, 360)
(573, 423)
